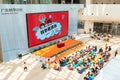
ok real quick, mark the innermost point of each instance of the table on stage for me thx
(60, 44)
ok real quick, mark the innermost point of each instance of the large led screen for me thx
(44, 27)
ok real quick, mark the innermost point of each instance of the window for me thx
(81, 25)
(76, 2)
(68, 1)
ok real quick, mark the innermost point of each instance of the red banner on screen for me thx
(44, 27)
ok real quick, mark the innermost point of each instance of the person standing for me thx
(49, 63)
(25, 66)
(106, 47)
(109, 49)
(44, 66)
(116, 52)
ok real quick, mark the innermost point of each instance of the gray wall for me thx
(13, 28)
(1, 57)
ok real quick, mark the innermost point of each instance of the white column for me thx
(71, 1)
(88, 25)
(114, 27)
(88, 1)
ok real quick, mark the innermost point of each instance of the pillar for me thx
(88, 25)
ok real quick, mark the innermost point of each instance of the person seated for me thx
(60, 62)
(92, 70)
(56, 66)
(96, 73)
(109, 49)
(98, 65)
(110, 36)
(44, 66)
(91, 63)
(78, 56)
(75, 60)
(105, 59)
(92, 36)
(70, 67)
(20, 56)
(103, 53)
(88, 74)
(92, 76)
(85, 78)
(85, 65)
(109, 54)
(101, 60)
(70, 61)
(89, 78)
(100, 50)
(63, 62)
(80, 70)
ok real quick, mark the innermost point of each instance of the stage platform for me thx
(53, 50)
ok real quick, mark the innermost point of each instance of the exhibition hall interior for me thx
(59, 39)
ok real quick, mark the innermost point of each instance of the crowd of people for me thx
(101, 36)
(89, 59)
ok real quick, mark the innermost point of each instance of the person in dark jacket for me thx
(116, 52)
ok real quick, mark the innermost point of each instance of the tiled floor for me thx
(13, 70)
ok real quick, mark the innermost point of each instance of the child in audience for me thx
(70, 67)
(44, 66)
(56, 66)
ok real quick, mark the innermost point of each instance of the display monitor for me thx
(46, 26)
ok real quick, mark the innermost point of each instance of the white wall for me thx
(104, 13)
(101, 12)
(88, 25)
(88, 1)
(80, 31)
(106, 1)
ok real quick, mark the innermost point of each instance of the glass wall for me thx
(81, 24)
(118, 29)
(111, 28)
(103, 27)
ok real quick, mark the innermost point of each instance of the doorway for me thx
(103, 28)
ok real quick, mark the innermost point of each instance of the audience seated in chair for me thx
(56, 66)
(44, 66)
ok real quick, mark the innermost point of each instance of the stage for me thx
(69, 47)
